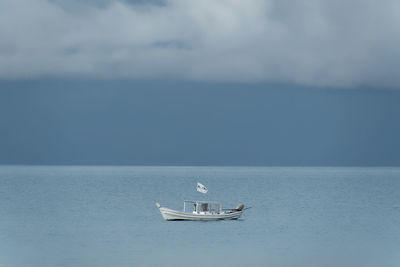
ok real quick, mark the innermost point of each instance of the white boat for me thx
(201, 211)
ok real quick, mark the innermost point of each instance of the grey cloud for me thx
(172, 44)
(314, 42)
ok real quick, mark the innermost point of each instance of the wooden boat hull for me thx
(174, 215)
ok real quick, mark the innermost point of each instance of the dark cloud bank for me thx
(203, 124)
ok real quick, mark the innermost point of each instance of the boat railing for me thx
(212, 207)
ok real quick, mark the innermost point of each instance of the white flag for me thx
(201, 188)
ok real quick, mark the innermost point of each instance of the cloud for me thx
(314, 42)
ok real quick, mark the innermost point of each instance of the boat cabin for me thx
(202, 207)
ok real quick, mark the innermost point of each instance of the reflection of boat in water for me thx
(201, 211)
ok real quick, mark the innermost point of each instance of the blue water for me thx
(106, 216)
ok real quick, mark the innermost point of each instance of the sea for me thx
(106, 216)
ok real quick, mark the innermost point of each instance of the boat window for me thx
(204, 206)
(217, 208)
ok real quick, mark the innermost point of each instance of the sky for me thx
(272, 82)
(315, 42)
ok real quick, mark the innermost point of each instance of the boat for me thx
(201, 211)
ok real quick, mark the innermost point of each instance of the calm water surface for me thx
(106, 216)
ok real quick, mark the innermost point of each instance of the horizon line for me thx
(217, 166)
